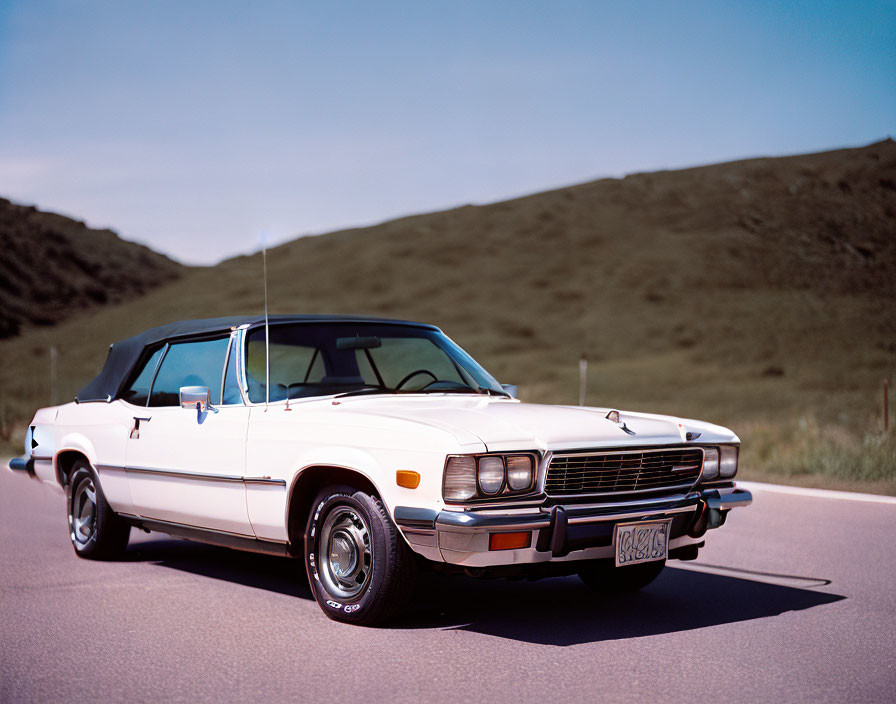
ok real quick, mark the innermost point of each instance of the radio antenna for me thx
(267, 327)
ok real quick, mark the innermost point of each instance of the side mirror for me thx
(512, 389)
(196, 398)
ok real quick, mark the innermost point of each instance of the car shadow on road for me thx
(560, 611)
(275, 574)
(563, 611)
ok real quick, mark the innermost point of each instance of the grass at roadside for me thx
(808, 453)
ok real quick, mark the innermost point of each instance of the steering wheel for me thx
(412, 375)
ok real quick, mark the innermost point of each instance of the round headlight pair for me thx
(468, 477)
(515, 469)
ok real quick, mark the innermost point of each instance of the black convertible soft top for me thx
(124, 355)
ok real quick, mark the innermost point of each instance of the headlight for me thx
(491, 474)
(460, 478)
(710, 462)
(488, 476)
(519, 472)
(728, 461)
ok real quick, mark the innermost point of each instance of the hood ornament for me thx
(613, 417)
(687, 435)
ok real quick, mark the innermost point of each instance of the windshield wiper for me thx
(448, 390)
(368, 390)
(464, 389)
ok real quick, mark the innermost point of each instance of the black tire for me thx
(359, 567)
(603, 576)
(96, 531)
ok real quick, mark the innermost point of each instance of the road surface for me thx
(793, 600)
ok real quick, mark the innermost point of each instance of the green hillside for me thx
(758, 294)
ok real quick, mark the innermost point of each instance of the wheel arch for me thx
(305, 486)
(65, 462)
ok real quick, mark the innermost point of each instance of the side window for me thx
(139, 390)
(190, 364)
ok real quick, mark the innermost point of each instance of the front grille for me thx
(623, 471)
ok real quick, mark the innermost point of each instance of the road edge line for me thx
(818, 493)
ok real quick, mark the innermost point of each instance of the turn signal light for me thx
(407, 478)
(509, 541)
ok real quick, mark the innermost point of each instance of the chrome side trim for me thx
(264, 480)
(184, 475)
(194, 475)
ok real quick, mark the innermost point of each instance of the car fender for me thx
(268, 503)
(72, 442)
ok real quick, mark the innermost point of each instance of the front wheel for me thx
(359, 567)
(96, 532)
(603, 576)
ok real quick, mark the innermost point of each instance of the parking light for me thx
(509, 541)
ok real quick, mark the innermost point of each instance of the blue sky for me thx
(193, 126)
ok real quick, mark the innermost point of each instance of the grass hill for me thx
(758, 294)
(53, 267)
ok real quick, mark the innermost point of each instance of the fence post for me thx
(583, 371)
(52, 375)
(886, 405)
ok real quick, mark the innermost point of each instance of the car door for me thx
(184, 465)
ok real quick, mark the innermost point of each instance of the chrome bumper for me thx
(23, 465)
(561, 532)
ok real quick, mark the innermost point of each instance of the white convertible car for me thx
(370, 449)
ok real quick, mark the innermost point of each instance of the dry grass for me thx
(806, 451)
(751, 294)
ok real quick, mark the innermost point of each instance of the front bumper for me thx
(561, 532)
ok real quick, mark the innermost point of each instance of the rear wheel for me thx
(359, 567)
(603, 576)
(96, 532)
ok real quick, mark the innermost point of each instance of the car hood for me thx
(507, 424)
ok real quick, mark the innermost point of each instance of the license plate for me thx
(641, 542)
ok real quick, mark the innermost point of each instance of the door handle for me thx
(135, 429)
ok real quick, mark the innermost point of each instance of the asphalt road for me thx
(793, 600)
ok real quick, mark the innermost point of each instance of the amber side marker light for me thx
(407, 478)
(509, 541)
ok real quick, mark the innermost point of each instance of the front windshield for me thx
(320, 359)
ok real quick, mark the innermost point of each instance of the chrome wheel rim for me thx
(82, 514)
(346, 551)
